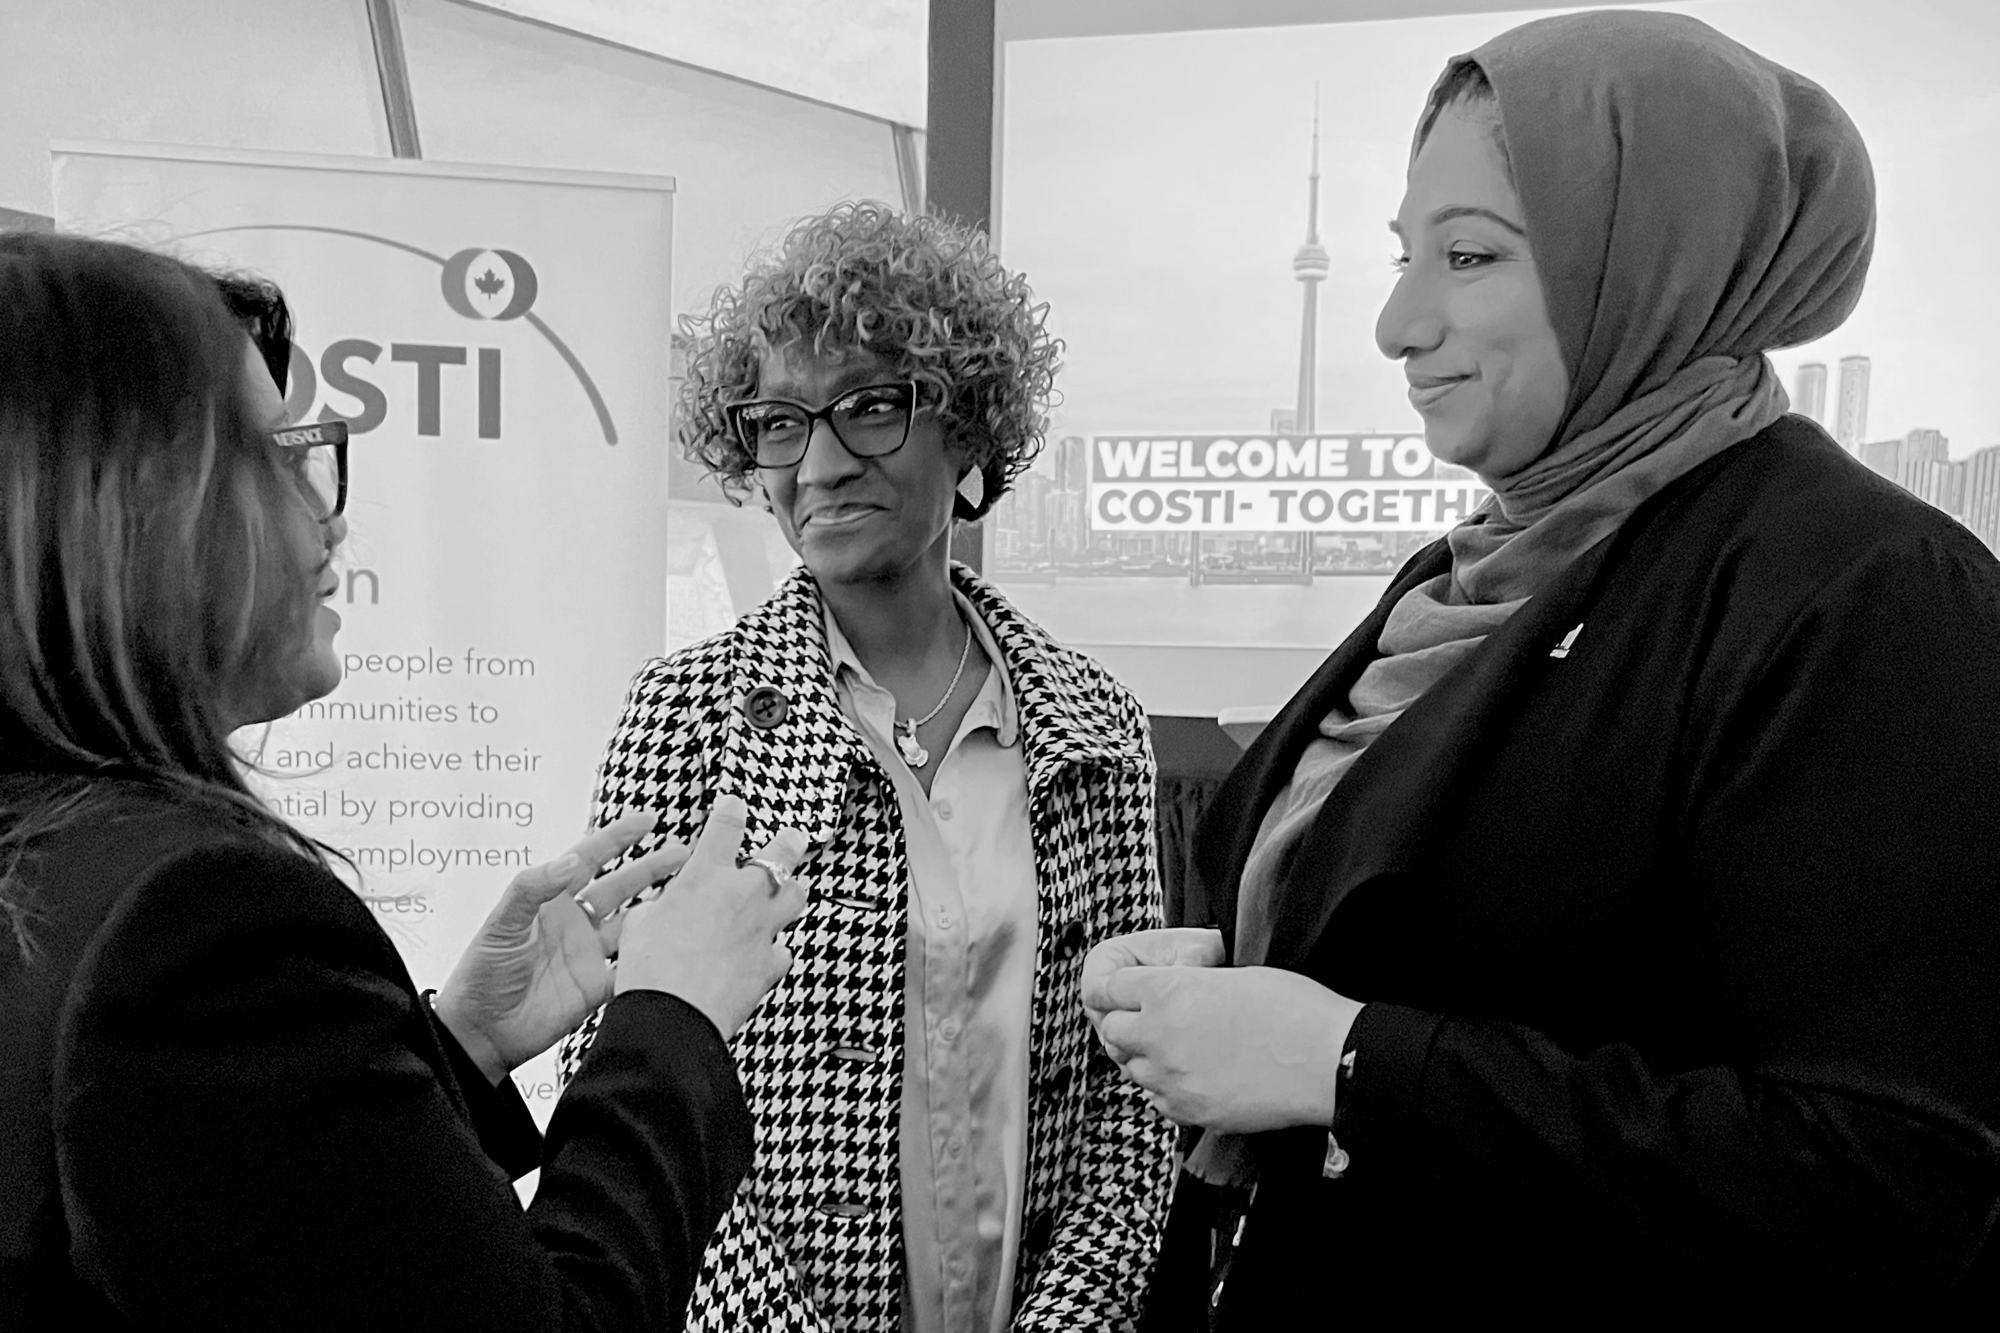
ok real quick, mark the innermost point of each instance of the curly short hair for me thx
(925, 294)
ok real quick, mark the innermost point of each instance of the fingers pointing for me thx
(614, 839)
(788, 848)
(721, 836)
(612, 891)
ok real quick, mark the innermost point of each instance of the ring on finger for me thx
(589, 909)
(780, 877)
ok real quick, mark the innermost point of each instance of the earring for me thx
(972, 489)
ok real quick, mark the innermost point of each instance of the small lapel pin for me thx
(1569, 640)
(765, 707)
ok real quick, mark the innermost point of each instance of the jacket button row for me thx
(1039, 1231)
(1070, 943)
(765, 707)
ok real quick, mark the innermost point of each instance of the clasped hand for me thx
(544, 959)
(1237, 1049)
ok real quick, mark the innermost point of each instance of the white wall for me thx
(747, 161)
(280, 74)
(299, 75)
(866, 55)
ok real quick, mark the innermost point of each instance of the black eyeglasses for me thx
(869, 422)
(320, 449)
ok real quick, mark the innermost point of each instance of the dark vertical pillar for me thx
(958, 141)
(958, 148)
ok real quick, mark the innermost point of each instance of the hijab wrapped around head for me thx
(1690, 206)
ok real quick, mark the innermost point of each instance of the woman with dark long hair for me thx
(223, 1103)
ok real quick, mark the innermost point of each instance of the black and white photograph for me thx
(998, 666)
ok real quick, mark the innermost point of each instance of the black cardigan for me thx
(1681, 949)
(223, 1105)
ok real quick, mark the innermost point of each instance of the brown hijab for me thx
(1691, 205)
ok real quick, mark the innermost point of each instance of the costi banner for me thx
(1319, 483)
(497, 340)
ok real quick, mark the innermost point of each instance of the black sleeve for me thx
(1844, 884)
(251, 1134)
(503, 1122)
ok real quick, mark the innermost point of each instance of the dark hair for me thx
(260, 307)
(925, 294)
(1464, 84)
(140, 578)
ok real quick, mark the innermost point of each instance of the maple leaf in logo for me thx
(489, 283)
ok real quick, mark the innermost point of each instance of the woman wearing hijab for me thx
(1611, 920)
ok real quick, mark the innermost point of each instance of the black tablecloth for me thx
(1194, 756)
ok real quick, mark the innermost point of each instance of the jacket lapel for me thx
(1378, 818)
(1229, 825)
(1059, 725)
(794, 773)
(798, 771)
(1069, 723)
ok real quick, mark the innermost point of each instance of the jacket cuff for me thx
(1391, 1044)
(506, 1128)
(643, 1015)
(665, 1037)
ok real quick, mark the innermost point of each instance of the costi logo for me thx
(370, 382)
(489, 284)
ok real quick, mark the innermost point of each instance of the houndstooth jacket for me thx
(815, 1239)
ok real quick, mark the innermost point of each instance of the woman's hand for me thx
(1180, 947)
(711, 937)
(540, 964)
(1237, 1049)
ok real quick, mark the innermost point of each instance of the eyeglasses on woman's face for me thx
(319, 451)
(870, 422)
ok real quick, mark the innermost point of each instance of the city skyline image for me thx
(1148, 190)
(1056, 522)
(1310, 266)
(1149, 181)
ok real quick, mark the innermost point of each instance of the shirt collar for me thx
(994, 707)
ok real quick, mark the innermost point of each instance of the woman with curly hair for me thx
(941, 1145)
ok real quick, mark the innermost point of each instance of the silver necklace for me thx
(915, 755)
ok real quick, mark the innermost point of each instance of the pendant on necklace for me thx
(915, 755)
